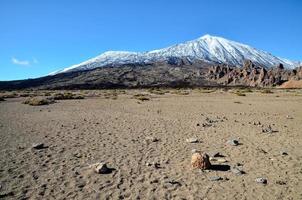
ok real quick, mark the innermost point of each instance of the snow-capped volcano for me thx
(208, 48)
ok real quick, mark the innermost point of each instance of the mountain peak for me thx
(208, 36)
(208, 48)
(211, 37)
(109, 53)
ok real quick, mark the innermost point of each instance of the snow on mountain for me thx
(207, 48)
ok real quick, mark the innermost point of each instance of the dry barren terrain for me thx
(116, 129)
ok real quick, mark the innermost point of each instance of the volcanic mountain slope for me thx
(210, 49)
(160, 74)
(182, 73)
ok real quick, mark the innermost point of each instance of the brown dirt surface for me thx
(79, 133)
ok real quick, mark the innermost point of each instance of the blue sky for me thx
(41, 36)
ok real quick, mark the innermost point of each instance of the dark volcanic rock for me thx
(174, 72)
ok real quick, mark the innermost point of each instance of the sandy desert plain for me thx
(144, 138)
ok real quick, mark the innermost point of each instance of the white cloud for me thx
(24, 62)
(20, 62)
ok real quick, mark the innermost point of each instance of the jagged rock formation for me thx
(252, 75)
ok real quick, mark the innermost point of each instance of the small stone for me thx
(261, 180)
(199, 161)
(101, 168)
(281, 182)
(35, 176)
(192, 140)
(206, 125)
(215, 178)
(221, 160)
(81, 184)
(173, 182)
(233, 142)
(151, 139)
(237, 171)
(154, 181)
(257, 123)
(21, 176)
(156, 165)
(38, 146)
(267, 129)
(283, 153)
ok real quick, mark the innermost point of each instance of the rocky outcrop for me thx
(251, 75)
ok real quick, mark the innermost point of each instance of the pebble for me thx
(101, 168)
(38, 146)
(151, 139)
(283, 153)
(80, 184)
(257, 123)
(35, 176)
(221, 160)
(206, 125)
(154, 164)
(281, 182)
(215, 178)
(173, 182)
(192, 140)
(261, 180)
(233, 142)
(267, 129)
(154, 181)
(237, 171)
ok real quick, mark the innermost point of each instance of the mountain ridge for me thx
(212, 49)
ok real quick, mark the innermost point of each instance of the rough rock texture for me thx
(252, 75)
(200, 161)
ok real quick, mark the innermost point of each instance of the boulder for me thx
(200, 161)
